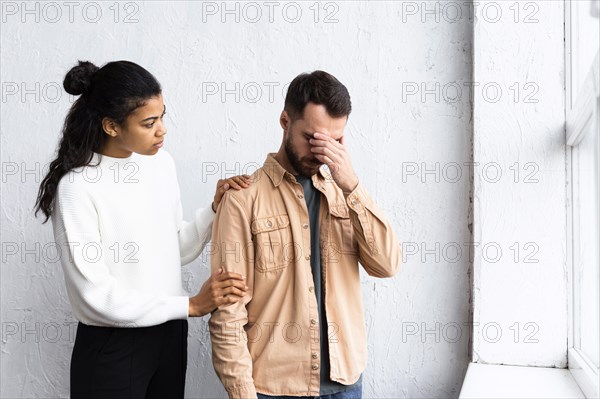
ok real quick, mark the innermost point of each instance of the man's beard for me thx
(296, 162)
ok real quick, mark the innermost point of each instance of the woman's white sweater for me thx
(118, 225)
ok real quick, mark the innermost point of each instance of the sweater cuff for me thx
(178, 307)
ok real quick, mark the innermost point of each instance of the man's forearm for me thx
(379, 249)
(231, 358)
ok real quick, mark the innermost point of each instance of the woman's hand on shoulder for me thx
(236, 182)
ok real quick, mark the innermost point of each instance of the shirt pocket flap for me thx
(263, 225)
(339, 210)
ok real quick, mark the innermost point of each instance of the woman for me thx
(115, 205)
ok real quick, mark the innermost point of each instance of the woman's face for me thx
(143, 131)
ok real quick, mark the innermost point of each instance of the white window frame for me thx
(582, 110)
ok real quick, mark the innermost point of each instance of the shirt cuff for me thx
(356, 198)
(360, 202)
(242, 391)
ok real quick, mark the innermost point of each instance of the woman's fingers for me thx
(223, 285)
(219, 192)
(231, 279)
(232, 291)
(230, 295)
(236, 182)
(228, 300)
(233, 183)
(221, 188)
(230, 276)
(245, 179)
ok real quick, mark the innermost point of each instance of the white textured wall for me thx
(407, 145)
(520, 306)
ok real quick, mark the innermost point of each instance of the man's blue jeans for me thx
(354, 393)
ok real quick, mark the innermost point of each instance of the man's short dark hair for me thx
(317, 87)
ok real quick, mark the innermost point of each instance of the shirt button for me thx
(313, 321)
(315, 366)
(307, 257)
(305, 225)
(314, 355)
(270, 224)
(311, 289)
(354, 202)
(300, 196)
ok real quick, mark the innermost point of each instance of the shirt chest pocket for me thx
(341, 232)
(273, 247)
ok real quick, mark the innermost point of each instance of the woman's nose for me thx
(162, 129)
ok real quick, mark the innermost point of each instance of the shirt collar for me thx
(277, 173)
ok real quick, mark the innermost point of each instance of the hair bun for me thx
(78, 79)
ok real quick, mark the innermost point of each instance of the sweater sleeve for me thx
(97, 297)
(194, 235)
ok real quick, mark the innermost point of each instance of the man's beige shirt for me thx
(269, 341)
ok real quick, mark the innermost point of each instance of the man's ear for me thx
(110, 127)
(285, 121)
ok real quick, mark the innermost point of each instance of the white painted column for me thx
(520, 306)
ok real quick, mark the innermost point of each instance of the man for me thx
(297, 234)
